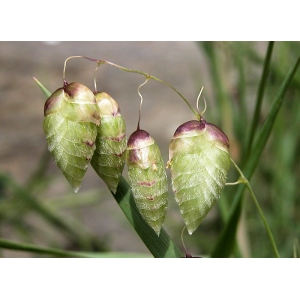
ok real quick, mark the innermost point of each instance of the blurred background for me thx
(38, 206)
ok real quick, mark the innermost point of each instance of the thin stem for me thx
(95, 82)
(200, 114)
(240, 180)
(138, 126)
(65, 65)
(244, 180)
(149, 77)
(186, 252)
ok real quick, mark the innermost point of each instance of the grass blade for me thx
(78, 235)
(45, 91)
(260, 94)
(226, 241)
(6, 244)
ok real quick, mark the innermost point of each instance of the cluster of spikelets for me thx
(83, 127)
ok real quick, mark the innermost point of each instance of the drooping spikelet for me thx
(148, 179)
(109, 158)
(70, 124)
(199, 162)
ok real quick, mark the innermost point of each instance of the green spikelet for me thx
(109, 158)
(199, 162)
(147, 178)
(70, 124)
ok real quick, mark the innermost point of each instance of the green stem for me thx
(244, 180)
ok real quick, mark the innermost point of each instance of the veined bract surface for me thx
(109, 158)
(70, 124)
(199, 162)
(148, 179)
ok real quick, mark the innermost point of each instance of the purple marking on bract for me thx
(72, 88)
(52, 100)
(149, 183)
(133, 155)
(217, 134)
(89, 143)
(138, 137)
(189, 126)
(117, 138)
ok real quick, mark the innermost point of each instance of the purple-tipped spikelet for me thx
(70, 124)
(199, 162)
(109, 158)
(147, 178)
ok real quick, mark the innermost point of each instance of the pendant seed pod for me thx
(109, 158)
(71, 118)
(199, 162)
(147, 178)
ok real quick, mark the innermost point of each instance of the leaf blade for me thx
(227, 236)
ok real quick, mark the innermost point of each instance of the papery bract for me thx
(109, 158)
(148, 179)
(71, 117)
(199, 162)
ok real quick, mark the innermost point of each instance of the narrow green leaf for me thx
(45, 91)
(262, 138)
(226, 241)
(6, 244)
(78, 235)
(260, 94)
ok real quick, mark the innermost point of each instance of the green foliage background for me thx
(239, 78)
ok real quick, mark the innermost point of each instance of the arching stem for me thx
(244, 180)
(65, 65)
(148, 76)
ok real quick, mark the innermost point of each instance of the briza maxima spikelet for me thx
(70, 124)
(148, 179)
(199, 162)
(109, 157)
